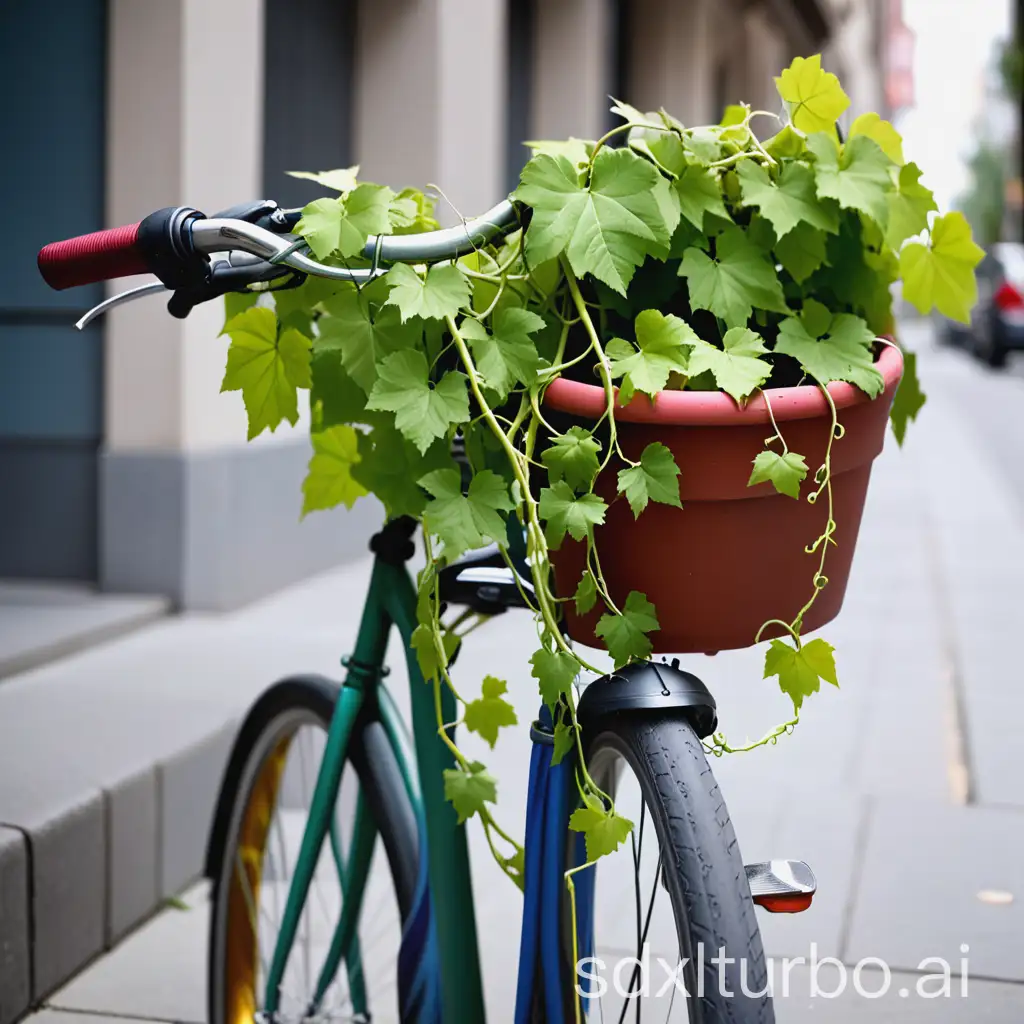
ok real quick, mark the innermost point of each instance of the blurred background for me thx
(127, 491)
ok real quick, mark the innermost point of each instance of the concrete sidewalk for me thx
(904, 789)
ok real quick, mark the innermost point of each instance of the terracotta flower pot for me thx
(733, 556)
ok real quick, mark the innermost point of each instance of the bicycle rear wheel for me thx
(265, 807)
(674, 897)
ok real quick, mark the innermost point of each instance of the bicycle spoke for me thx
(637, 846)
(306, 949)
(250, 903)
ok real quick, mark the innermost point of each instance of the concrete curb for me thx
(75, 881)
(110, 763)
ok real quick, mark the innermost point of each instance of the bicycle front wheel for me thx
(667, 924)
(266, 809)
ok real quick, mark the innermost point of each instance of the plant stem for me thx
(604, 369)
(534, 529)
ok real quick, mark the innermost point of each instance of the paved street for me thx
(904, 789)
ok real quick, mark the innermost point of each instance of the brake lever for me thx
(225, 277)
(119, 300)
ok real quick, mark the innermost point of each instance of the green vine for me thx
(689, 258)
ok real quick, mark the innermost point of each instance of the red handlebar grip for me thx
(90, 258)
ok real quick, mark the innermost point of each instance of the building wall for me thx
(51, 387)
(855, 54)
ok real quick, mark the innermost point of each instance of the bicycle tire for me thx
(705, 878)
(306, 700)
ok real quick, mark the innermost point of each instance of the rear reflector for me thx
(782, 886)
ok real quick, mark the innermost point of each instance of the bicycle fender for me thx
(647, 686)
(269, 702)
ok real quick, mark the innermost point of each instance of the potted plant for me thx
(673, 378)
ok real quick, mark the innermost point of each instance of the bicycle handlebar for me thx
(176, 243)
(88, 259)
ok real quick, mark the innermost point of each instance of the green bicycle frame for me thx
(391, 601)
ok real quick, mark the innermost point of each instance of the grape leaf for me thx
(237, 302)
(633, 115)
(606, 229)
(814, 97)
(734, 114)
(736, 366)
(586, 593)
(941, 273)
(296, 307)
(422, 412)
(343, 225)
(362, 331)
(858, 177)
(816, 318)
(267, 366)
(909, 398)
(565, 513)
(576, 151)
(572, 457)
(700, 192)
(702, 145)
(329, 481)
(801, 251)
(882, 132)
(391, 467)
(790, 202)
(908, 208)
(740, 278)
(465, 521)
(664, 148)
(469, 789)
(442, 293)
(341, 180)
(411, 212)
(603, 831)
(490, 711)
(663, 342)
(843, 354)
(784, 471)
(335, 397)
(668, 206)
(786, 143)
(514, 866)
(320, 225)
(564, 741)
(509, 355)
(800, 671)
(422, 641)
(625, 635)
(857, 276)
(655, 478)
(554, 672)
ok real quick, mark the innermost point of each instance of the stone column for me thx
(430, 98)
(189, 509)
(673, 57)
(572, 68)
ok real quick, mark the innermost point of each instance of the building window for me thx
(519, 101)
(619, 43)
(309, 48)
(720, 83)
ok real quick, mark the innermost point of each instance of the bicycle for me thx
(642, 728)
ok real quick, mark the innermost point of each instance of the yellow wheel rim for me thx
(241, 959)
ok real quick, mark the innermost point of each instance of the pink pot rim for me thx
(715, 408)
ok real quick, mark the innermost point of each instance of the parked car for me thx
(997, 325)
